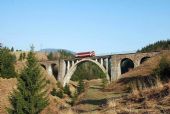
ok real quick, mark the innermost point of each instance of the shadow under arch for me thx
(73, 68)
(144, 59)
(43, 66)
(54, 70)
(126, 65)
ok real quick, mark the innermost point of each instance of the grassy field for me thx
(94, 99)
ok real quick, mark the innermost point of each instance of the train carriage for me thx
(85, 54)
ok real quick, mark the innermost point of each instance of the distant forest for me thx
(157, 46)
(88, 71)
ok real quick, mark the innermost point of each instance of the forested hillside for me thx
(88, 71)
(157, 46)
(59, 54)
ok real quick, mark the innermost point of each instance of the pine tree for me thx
(67, 90)
(7, 61)
(81, 87)
(12, 49)
(50, 56)
(31, 95)
(24, 56)
(20, 57)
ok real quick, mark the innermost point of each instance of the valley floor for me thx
(94, 99)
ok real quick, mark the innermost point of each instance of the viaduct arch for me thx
(111, 65)
(126, 64)
(73, 68)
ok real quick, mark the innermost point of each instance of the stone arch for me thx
(73, 68)
(54, 70)
(43, 66)
(126, 65)
(142, 60)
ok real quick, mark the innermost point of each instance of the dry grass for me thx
(39, 55)
(6, 87)
(148, 93)
(116, 87)
(142, 77)
(67, 111)
(151, 98)
(52, 107)
(112, 103)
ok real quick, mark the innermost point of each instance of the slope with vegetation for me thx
(54, 54)
(7, 61)
(145, 89)
(87, 71)
(30, 96)
(157, 46)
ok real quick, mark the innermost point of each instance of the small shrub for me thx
(59, 85)
(24, 55)
(48, 81)
(66, 90)
(74, 98)
(56, 93)
(162, 72)
(80, 89)
(104, 82)
(20, 57)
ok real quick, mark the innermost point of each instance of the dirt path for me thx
(94, 98)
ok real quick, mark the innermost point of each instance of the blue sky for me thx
(105, 26)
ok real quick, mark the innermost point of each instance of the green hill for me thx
(157, 46)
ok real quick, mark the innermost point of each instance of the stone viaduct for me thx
(63, 69)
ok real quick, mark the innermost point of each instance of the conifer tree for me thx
(7, 61)
(66, 90)
(50, 56)
(81, 87)
(12, 49)
(31, 95)
(24, 56)
(20, 57)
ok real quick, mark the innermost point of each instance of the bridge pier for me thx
(107, 64)
(50, 70)
(114, 68)
(72, 63)
(62, 71)
(101, 61)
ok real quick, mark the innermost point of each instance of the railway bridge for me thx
(111, 65)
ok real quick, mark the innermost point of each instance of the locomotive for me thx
(85, 54)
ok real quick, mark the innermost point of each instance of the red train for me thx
(85, 54)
